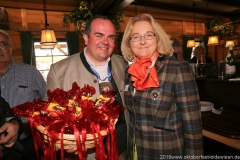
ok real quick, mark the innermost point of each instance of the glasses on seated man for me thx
(4, 45)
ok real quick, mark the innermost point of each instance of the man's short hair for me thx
(89, 23)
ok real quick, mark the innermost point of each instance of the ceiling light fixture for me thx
(47, 35)
(212, 40)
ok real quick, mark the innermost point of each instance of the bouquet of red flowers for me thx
(71, 119)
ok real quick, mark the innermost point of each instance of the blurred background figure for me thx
(200, 50)
(178, 52)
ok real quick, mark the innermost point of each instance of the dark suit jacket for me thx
(16, 151)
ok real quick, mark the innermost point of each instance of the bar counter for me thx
(235, 143)
(221, 92)
(224, 127)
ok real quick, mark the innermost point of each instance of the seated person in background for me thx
(10, 148)
(200, 50)
(22, 83)
(178, 53)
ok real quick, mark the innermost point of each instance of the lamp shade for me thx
(190, 43)
(229, 42)
(48, 37)
(213, 40)
(47, 46)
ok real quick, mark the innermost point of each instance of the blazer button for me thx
(95, 81)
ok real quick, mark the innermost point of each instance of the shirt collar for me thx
(9, 68)
(91, 63)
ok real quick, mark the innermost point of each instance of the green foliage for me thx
(216, 27)
(84, 13)
(81, 13)
(117, 19)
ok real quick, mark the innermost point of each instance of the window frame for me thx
(34, 57)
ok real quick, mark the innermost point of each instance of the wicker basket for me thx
(69, 140)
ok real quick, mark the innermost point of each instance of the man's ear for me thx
(85, 37)
(11, 48)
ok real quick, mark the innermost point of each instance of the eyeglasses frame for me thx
(154, 35)
(3, 47)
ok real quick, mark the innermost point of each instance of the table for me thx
(235, 143)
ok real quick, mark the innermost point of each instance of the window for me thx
(45, 57)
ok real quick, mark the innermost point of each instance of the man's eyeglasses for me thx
(137, 37)
(3, 45)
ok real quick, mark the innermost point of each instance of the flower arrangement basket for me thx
(71, 120)
(69, 140)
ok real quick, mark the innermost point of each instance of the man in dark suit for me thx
(10, 148)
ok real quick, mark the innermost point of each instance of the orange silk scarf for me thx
(143, 73)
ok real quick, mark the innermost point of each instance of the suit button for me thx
(95, 81)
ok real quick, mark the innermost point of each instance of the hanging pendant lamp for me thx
(213, 40)
(191, 42)
(48, 37)
(229, 42)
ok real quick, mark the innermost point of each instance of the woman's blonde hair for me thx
(163, 44)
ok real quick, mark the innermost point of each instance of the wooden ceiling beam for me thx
(230, 3)
(35, 6)
(180, 8)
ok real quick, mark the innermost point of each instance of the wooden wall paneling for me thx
(174, 29)
(55, 17)
(14, 15)
(33, 20)
(17, 48)
(24, 19)
(72, 27)
(217, 53)
(188, 28)
(35, 27)
(81, 42)
(221, 53)
(60, 34)
(117, 49)
(200, 29)
(14, 19)
(35, 17)
(163, 14)
(211, 54)
(123, 25)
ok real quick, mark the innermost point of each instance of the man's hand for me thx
(73, 150)
(10, 138)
